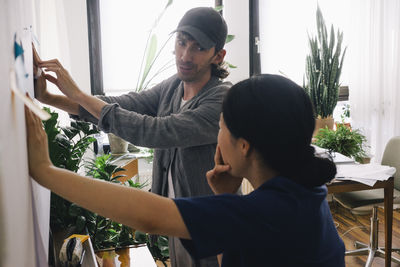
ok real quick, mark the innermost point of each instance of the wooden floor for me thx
(356, 227)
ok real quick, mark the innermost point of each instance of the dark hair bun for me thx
(276, 117)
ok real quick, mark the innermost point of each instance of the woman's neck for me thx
(258, 174)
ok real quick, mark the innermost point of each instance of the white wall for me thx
(236, 14)
(17, 240)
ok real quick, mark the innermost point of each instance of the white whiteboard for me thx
(19, 246)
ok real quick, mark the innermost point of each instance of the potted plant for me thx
(344, 140)
(67, 145)
(323, 69)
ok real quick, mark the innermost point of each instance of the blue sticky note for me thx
(18, 50)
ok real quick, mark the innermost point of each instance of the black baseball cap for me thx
(206, 26)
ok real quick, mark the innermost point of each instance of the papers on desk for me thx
(335, 156)
(367, 174)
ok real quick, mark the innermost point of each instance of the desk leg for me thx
(388, 221)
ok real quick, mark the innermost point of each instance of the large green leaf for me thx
(229, 38)
(150, 55)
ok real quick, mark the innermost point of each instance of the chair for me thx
(362, 201)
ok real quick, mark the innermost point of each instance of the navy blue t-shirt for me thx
(279, 224)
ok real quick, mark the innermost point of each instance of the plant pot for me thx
(347, 124)
(118, 146)
(106, 258)
(321, 123)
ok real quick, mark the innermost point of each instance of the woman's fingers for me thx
(218, 169)
(218, 160)
(33, 119)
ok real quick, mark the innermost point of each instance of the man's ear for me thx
(219, 56)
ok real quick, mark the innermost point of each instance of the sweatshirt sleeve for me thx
(144, 102)
(191, 127)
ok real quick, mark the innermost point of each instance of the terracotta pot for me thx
(347, 124)
(124, 257)
(107, 258)
(321, 123)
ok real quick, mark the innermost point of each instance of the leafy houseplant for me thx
(344, 140)
(67, 146)
(323, 68)
(104, 233)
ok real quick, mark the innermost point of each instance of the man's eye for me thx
(181, 43)
(199, 48)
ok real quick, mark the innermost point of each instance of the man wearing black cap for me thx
(178, 117)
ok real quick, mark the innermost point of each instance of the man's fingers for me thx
(49, 65)
(36, 58)
(51, 61)
(51, 78)
(53, 69)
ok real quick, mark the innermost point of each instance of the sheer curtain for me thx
(374, 76)
(371, 68)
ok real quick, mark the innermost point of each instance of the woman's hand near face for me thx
(38, 152)
(219, 179)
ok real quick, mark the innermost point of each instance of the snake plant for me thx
(323, 68)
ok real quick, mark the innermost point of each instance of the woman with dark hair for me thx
(266, 127)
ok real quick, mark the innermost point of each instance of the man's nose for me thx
(186, 54)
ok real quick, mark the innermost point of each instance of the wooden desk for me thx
(348, 186)
(131, 168)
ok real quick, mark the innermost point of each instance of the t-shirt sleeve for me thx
(222, 222)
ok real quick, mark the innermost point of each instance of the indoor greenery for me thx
(67, 146)
(323, 68)
(104, 233)
(345, 113)
(344, 140)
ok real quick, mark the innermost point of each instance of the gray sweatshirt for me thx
(183, 137)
